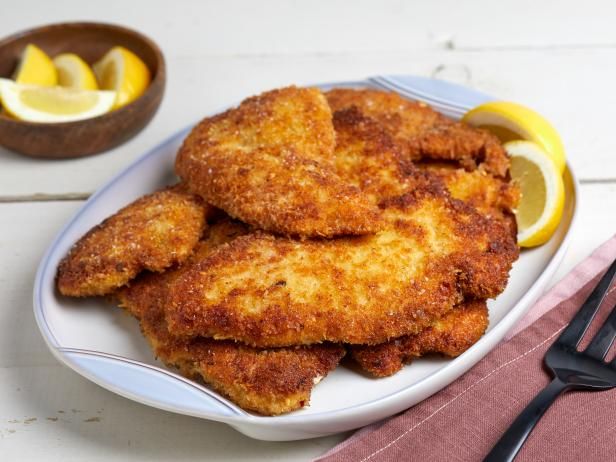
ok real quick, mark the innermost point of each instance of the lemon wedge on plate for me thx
(74, 72)
(53, 104)
(510, 121)
(543, 192)
(122, 71)
(35, 68)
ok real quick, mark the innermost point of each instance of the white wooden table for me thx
(557, 57)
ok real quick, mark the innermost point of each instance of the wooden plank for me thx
(34, 386)
(192, 28)
(571, 87)
(51, 413)
(27, 230)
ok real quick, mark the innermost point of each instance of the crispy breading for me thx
(408, 123)
(398, 116)
(269, 382)
(134, 296)
(451, 336)
(469, 147)
(268, 163)
(346, 241)
(382, 171)
(387, 160)
(490, 195)
(423, 132)
(152, 233)
(369, 158)
(366, 155)
(272, 291)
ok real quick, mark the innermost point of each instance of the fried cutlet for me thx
(268, 163)
(273, 291)
(451, 336)
(406, 251)
(424, 133)
(381, 172)
(490, 195)
(369, 158)
(481, 180)
(269, 382)
(153, 233)
(384, 161)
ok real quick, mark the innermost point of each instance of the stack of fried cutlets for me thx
(307, 225)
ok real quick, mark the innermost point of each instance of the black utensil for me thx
(572, 369)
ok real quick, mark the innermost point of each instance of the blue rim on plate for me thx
(163, 389)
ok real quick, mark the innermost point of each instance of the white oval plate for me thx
(105, 345)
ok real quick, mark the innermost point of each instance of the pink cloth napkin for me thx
(464, 420)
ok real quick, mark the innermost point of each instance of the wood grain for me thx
(207, 28)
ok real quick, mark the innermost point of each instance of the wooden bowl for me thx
(85, 137)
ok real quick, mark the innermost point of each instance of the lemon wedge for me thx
(122, 71)
(543, 192)
(511, 121)
(53, 104)
(35, 68)
(74, 72)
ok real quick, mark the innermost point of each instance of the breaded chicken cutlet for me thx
(269, 382)
(268, 163)
(492, 195)
(489, 195)
(451, 336)
(423, 133)
(371, 227)
(433, 252)
(153, 233)
(471, 162)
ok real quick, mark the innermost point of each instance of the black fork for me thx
(572, 369)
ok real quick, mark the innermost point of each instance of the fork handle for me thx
(511, 442)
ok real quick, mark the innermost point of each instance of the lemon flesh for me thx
(56, 101)
(542, 192)
(532, 182)
(510, 121)
(35, 68)
(53, 104)
(124, 72)
(74, 72)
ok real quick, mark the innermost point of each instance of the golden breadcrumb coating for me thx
(379, 224)
(451, 336)
(423, 132)
(369, 158)
(152, 233)
(268, 163)
(492, 196)
(484, 183)
(269, 382)
(273, 291)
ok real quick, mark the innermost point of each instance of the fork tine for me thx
(574, 332)
(602, 342)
